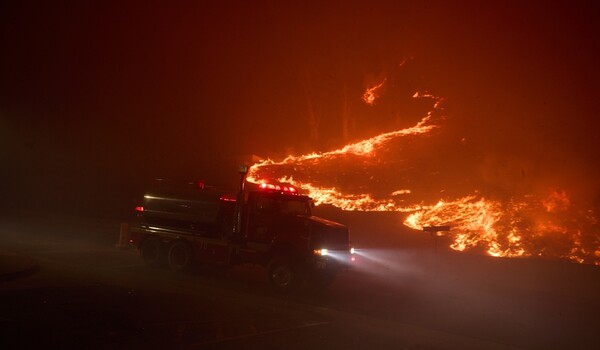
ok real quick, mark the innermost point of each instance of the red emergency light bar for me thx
(268, 186)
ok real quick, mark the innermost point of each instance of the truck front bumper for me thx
(331, 260)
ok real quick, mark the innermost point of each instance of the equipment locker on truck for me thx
(267, 224)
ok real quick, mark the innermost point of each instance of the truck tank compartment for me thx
(193, 209)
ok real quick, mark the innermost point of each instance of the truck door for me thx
(263, 220)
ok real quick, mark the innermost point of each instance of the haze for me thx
(97, 99)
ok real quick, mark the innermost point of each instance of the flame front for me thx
(362, 149)
(519, 227)
(549, 227)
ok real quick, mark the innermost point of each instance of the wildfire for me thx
(556, 201)
(351, 202)
(516, 228)
(364, 148)
(524, 226)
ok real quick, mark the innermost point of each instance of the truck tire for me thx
(180, 256)
(283, 275)
(151, 252)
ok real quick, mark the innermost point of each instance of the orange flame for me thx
(516, 228)
(475, 221)
(556, 201)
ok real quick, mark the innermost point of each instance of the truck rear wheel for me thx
(283, 276)
(151, 251)
(180, 256)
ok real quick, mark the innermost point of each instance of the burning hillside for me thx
(409, 170)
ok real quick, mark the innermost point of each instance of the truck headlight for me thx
(352, 250)
(321, 252)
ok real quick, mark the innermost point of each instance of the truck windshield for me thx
(268, 204)
(295, 207)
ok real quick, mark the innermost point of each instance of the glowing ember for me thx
(370, 94)
(523, 226)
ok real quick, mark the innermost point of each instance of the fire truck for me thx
(268, 224)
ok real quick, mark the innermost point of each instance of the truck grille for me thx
(329, 237)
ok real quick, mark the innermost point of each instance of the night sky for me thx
(97, 98)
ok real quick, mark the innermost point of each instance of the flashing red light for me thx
(353, 259)
(139, 209)
(268, 186)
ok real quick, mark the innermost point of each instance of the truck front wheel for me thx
(283, 276)
(151, 251)
(180, 256)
